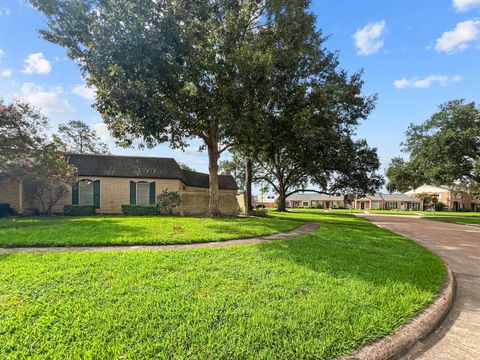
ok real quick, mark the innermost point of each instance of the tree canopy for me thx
(443, 150)
(252, 75)
(164, 70)
(80, 138)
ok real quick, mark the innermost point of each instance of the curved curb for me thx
(409, 334)
(304, 229)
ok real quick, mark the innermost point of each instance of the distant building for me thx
(451, 200)
(264, 201)
(320, 201)
(389, 202)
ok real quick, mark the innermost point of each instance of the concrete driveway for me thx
(459, 245)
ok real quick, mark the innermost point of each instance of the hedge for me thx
(5, 210)
(139, 210)
(79, 210)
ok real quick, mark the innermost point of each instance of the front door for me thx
(362, 205)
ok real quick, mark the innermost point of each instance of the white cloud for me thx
(6, 72)
(465, 5)
(4, 11)
(2, 53)
(102, 131)
(416, 83)
(36, 64)
(84, 91)
(459, 38)
(48, 101)
(368, 39)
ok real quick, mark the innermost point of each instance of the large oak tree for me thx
(443, 150)
(163, 70)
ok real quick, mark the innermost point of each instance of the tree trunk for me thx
(248, 187)
(282, 207)
(213, 155)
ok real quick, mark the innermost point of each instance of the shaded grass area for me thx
(123, 230)
(315, 296)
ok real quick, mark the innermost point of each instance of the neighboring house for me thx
(264, 201)
(388, 202)
(108, 182)
(316, 200)
(453, 201)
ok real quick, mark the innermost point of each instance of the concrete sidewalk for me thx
(458, 337)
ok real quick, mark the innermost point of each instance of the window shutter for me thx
(152, 193)
(75, 193)
(133, 193)
(96, 194)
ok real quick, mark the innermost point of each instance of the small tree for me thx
(26, 154)
(426, 200)
(167, 201)
(80, 138)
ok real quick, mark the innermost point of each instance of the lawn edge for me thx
(304, 228)
(398, 343)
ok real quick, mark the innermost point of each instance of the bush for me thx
(260, 212)
(79, 210)
(139, 210)
(439, 206)
(5, 210)
(167, 201)
(465, 210)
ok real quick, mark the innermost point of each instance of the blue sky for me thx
(415, 55)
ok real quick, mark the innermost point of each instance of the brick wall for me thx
(9, 193)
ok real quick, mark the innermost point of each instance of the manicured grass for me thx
(452, 213)
(316, 296)
(331, 211)
(456, 219)
(123, 230)
(395, 212)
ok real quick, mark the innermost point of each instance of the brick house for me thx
(453, 201)
(108, 182)
(316, 200)
(388, 202)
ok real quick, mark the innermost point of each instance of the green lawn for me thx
(395, 212)
(452, 213)
(123, 230)
(456, 219)
(315, 296)
(331, 211)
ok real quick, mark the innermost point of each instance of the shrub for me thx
(167, 201)
(464, 210)
(139, 210)
(5, 210)
(79, 210)
(439, 206)
(260, 212)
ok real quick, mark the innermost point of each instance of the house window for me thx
(85, 192)
(390, 205)
(143, 193)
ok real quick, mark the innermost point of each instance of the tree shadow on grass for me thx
(362, 251)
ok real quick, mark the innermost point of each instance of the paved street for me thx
(458, 338)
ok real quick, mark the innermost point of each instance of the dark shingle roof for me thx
(143, 167)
